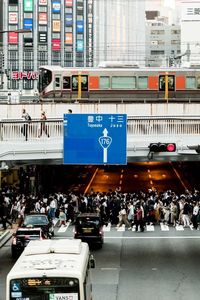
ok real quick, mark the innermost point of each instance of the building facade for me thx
(61, 33)
(190, 27)
(119, 31)
(163, 44)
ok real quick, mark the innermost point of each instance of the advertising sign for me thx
(190, 11)
(69, 3)
(42, 2)
(28, 5)
(56, 6)
(28, 23)
(79, 45)
(79, 26)
(68, 20)
(56, 44)
(68, 38)
(13, 18)
(12, 37)
(42, 37)
(56, 25)
(42, 18)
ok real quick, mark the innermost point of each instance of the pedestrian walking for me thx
(26, 117)
(43, 126)
(139, 218)
(195, 213)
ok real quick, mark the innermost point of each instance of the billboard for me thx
(42, 2)
(42, 18)
(69, 3)
(79, 26)
(190, 11)
(56, 44)
(28, 23)
(68, 20)
(12, 37)
(28, 5)
(42, 37)
(13, 18)
(56, 25)
(79, 45)
(56, 6)
(68, 38)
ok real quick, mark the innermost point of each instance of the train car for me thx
(118, 84)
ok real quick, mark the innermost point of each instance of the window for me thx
(57, 82)
(55, 17)
(104, 83)
(42, 28)
(84, 83)
(28, 84)
(42, 9)
(56, 35)
(66, 82)
(68, 10)
(190, 82)
(123, 82)
(142, 82)
(157, 52)
(28, 16)
(171, 82)
(198, 82)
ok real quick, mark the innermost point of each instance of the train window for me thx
(104, 82)
(198, 82)
(171, 82)
(142, 82)
(190, 82)
(66, 82)
(84, 83)
(123, 82)
(57, 82)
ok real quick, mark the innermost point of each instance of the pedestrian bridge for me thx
(141, 131)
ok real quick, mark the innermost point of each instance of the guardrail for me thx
(12, 130)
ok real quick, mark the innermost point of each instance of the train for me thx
(110, 84)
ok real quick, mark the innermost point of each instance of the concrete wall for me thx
(14, 111)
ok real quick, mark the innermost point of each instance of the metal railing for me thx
(15, 130)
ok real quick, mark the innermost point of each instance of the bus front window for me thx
(45, 78)
(47, 288)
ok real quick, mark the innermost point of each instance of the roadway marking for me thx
(179, 177)
(63, 228)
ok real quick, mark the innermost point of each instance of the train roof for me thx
(96, 69)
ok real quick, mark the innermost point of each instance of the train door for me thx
(80, 86)
(57, 85)
(167, 92)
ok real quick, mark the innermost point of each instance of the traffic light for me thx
(162, 147)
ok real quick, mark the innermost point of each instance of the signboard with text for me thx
(95, 139)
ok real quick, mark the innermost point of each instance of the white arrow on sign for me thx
(105, 141)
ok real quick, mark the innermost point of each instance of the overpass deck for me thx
(141, 131)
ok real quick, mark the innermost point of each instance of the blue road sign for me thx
(95, 139)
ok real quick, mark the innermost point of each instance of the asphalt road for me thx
(155, 265)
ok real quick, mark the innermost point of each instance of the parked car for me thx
(22, 237)
(39, 220)
(88, 228)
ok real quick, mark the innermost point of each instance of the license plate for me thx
(87, 230)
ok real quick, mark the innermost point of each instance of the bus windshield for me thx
(45, 78)
(45, 288)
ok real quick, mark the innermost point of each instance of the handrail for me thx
(20, 130)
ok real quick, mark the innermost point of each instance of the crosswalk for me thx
(150, 228)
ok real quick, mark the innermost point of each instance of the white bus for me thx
(51, 270)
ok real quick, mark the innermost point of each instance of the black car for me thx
(39, 220)
(22, 237)
(88, 228)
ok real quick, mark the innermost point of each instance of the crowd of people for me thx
(115, 207)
